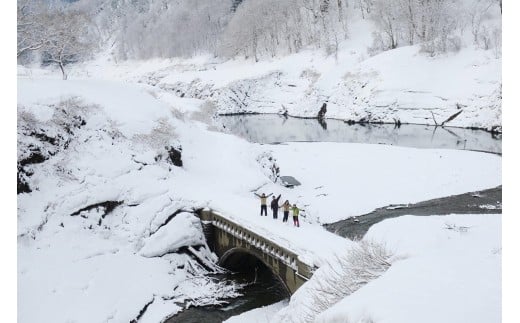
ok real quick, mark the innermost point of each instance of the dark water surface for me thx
(265, 290)
(271, 128)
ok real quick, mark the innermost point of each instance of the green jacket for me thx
(295, 210)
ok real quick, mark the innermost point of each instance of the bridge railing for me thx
(267, 245)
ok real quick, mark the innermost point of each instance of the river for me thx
(271, 128)
(262, 291)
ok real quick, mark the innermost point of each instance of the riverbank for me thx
(459, 89)
(271, 129)
(479, 202)
(256, 292)
(450, 263)
(495, 132)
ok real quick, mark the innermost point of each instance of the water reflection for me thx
(274, 128)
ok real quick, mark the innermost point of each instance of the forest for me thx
(63, 32)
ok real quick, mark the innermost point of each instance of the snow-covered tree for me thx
(66, 38)
(388, 17)
(162, 28)
(477, 12)
(430, 23)
(269, 27)
(365, 7)
(29, 27)
(257, 29)
(57, 31)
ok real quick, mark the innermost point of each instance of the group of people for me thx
(286, 206)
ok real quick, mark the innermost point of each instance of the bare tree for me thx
(66, 37)
(497, 42)
(29, 28)
(430, 23)
(164, 28)
(365, 6)
(476, 14)
(268, 27)
(388, 18)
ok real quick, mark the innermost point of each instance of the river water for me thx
(262, 291)
(270, 128)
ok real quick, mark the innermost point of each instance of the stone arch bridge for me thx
(229, 240)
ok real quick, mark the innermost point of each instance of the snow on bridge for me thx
(228, 238)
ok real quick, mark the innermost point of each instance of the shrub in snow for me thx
(41, 137)
(269, 166)
(335, 280)
(206, 113)
(160, 136)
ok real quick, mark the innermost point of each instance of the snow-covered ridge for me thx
(402, 85)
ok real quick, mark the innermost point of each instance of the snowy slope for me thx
(105, 224)
(444, 269)
(106, 201)
(451, 272)
(403, 84)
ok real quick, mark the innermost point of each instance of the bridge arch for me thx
(234, 243)
(240, 259)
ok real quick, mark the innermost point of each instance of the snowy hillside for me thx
(444, 269)
(102, 187)
(402, 85)
(358, 79)
(450, 272)
(119, 146)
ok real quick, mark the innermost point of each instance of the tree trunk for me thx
(63, 71)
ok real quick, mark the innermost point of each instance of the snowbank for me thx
(407, 85)
(343, 180)
(258, 315)
(183, 230)
(444, 269)
(75, 275)
(451, 272)
(131, 106)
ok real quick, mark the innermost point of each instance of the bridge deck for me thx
(265, 244)
(229, 239)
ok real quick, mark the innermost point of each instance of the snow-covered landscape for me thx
(116, 162)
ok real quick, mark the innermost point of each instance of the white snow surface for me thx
(446, 275)
(97, 267)
(183, 230)
(258, 315)
(444, 269)
(91, 268)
